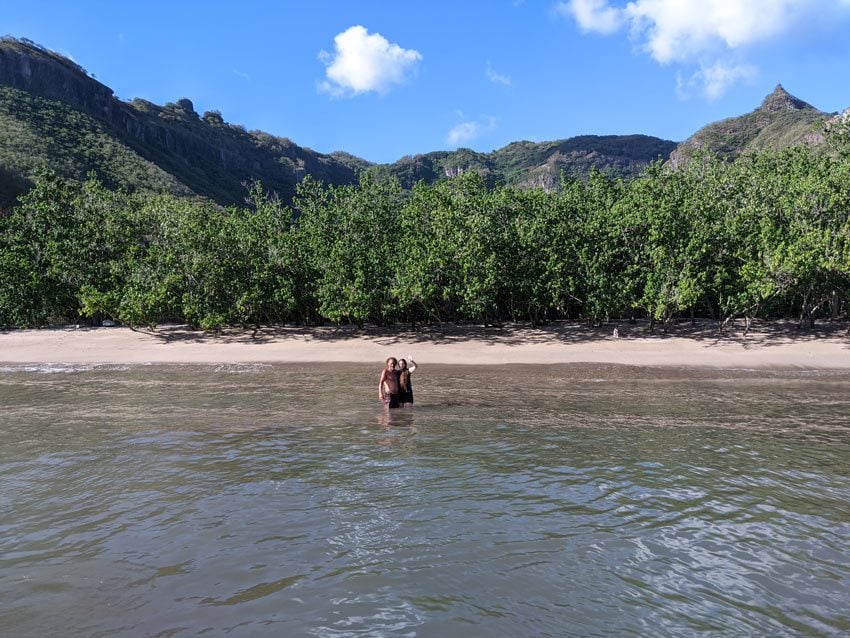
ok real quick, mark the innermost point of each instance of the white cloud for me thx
(701, 32)
(593, 15)
(463, 132)
(364, 62)
(713, 81)
(676, 31)
(469, 130)
(498, 78)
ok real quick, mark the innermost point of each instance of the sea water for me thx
(281, 500)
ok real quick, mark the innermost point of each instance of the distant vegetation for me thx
(55, 115)
(765, 236)
(535, 164)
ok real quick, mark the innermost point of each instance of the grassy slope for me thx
(38, 133)
(763, 129)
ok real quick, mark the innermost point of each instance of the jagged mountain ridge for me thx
(538, 164)
(53, 114)
(781, 120)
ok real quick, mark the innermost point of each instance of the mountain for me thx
(781, 120)
(53, 114)
(538, 165)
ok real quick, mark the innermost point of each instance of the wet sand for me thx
(769, 345)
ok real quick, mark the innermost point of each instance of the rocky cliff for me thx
(53, 114)
(27, 66)
(205, 154)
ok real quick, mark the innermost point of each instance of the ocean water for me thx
(281, 500)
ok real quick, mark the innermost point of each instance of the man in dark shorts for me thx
(388, 384)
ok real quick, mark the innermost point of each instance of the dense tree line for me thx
(767, 235)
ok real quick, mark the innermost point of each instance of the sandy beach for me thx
(774, 345)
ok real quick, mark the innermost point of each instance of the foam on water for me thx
(62, 368)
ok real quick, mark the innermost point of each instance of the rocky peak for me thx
(781, 100)
(186, 104)
(30, 67)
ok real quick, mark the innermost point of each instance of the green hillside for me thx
(781, 121)
(54, 115)
(537, 164)
(39, 133)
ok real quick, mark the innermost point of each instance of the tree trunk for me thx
(804, 311)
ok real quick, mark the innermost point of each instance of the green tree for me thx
(352, 238)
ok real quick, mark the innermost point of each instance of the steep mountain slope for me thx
(781, 120)
(531, 165)
(37, 132)
(53, 114)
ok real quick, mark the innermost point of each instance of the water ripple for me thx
(586, 501)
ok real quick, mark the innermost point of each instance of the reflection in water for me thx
(552, 500)
(399, 418)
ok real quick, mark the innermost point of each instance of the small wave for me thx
(242, 368)
(62, 368)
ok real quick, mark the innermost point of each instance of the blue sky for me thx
(386, 79)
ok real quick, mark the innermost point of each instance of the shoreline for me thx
(770, 345)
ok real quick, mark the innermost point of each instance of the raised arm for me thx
(412, 366)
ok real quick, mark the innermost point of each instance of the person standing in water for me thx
(388, 384)
(405, 383)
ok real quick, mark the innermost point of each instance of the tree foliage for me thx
(767, 235)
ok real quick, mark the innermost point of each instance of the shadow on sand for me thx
(762, 334)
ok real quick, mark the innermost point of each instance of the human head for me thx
(402, 364)
(391, 361)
